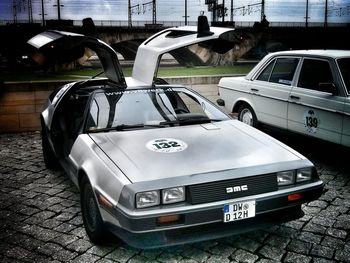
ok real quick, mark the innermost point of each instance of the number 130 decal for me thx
(166, 145)
(311, 121)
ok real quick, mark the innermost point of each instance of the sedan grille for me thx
(230, 189)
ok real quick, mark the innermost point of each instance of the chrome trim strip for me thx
(253, 93)
(319, 108)
(290, 101)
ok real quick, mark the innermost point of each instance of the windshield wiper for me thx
(179, 122)
(123, 127)
(189, 121)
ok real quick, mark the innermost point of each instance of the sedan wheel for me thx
(247, 115)
(92, 219)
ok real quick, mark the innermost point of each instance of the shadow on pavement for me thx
(315, 150)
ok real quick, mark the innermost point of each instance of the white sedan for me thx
(304, 91)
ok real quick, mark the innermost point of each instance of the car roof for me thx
(58, 46)
(320, 53)
(331, 53)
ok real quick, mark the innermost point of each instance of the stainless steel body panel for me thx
(119, 164)
(231, 146)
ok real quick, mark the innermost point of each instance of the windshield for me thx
(149, 108)
(344, 65)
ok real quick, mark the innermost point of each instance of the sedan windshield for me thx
(344, 65)
(149, 108)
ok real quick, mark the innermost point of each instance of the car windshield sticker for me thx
(284, 81)
(166, 145)
(311, 121)
(203, 106)
(118, 93)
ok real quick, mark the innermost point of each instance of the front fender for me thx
(235, 91)
(103, 174)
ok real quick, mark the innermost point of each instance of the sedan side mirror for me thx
(328, 87)
(220, 102)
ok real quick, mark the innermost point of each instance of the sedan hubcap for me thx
(247, 117)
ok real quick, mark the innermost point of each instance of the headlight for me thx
(173, 195)
(147, 199)
(285, 178)
(304, 174)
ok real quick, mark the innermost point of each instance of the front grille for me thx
(216, 191)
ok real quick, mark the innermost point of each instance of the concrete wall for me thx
(207, 86)
(22, 102)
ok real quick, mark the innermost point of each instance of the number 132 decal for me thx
(166, 145)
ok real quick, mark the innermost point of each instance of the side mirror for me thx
(220, 102)
(328, 87)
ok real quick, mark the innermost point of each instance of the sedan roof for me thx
(331, 53)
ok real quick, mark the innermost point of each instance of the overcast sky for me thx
(276, 10)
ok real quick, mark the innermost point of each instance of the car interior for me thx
(67, 123)
(315, 72)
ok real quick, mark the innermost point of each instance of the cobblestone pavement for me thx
(40, 219)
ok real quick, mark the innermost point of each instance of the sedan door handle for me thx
(255, 90)
(294, 97)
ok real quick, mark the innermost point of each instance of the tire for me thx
(247, 115)
(48, 154)
(92, 219)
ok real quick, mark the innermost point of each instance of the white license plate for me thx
(239, 211)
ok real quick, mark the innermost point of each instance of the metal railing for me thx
(112, 23)
(124, 23)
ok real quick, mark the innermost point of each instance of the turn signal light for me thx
(295, 197)
(104, 202)
(170, 219)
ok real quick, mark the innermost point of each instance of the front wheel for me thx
(92, 219)
(247, 115)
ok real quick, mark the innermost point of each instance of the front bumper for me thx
(204, 222)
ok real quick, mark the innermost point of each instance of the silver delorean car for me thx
(158, 164)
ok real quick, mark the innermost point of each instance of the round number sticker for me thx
(311, 121)
(166, 145)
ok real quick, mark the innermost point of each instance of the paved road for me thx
(40, 219)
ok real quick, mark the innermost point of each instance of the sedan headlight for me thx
(173, 195)
(285, 178)
(147, 199)
(304, 174)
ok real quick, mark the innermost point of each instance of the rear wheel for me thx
(92, 219)
(247, 115)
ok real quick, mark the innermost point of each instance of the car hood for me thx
(203, 149)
